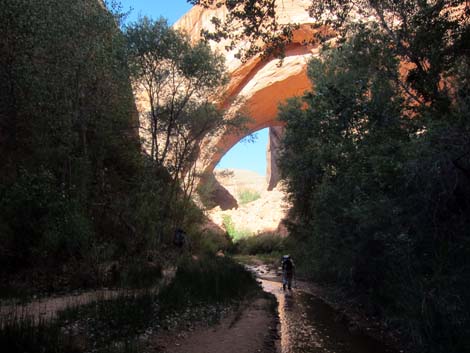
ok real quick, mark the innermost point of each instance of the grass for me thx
(200, 291)
(210, 279)
(112, 325)
(25, 335)
(139, 274)
(247, 196)
(8, 292)
(111, 320)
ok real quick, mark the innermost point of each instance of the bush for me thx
(261, 244)
(233, 232)
(210, 242)
(247, 196)
(206, 189)
(40, 222)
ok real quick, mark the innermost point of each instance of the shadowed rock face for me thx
(261, 84)
(223, 198)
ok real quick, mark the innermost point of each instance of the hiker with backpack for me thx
(288, 271)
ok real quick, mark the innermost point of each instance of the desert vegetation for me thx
(232, 230)
(375, 158)
(203, 291)
(247, 196)
(377, 166)
(81, 204)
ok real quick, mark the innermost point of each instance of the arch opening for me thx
(245, 181)
(249, 154)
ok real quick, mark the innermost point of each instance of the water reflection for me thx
(308, 325)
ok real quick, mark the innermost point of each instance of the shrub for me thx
(210, 242)
(247, 196)
(39, 221)
(206, 189)
(261, 244)
(234, 233)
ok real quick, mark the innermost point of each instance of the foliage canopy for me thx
(377, 161)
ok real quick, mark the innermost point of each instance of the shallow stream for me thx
(309, 325)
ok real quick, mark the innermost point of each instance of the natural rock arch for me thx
(261, 84)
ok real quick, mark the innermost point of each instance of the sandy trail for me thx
(251, 330)
(46, 309)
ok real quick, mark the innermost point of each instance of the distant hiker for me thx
(180, 238)
(288, 269)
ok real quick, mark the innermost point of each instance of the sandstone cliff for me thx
(261, 84)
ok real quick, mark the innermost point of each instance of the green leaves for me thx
(251, 22)
(66, 112)
(370, 163)
(177, 81)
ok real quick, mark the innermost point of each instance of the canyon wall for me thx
(260, 84)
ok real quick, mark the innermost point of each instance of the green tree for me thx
(428, 34)
(331, 146)
(179, 81)
(68, 130)
(377, 197)
(251, 22)
(377, 158)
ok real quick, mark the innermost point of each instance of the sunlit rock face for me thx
(261, 84)
(262, 214)
(273, 174)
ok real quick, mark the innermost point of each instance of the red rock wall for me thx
(261, 85)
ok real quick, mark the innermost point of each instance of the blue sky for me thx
(244, 155)
(170, 9)
(251, 156)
